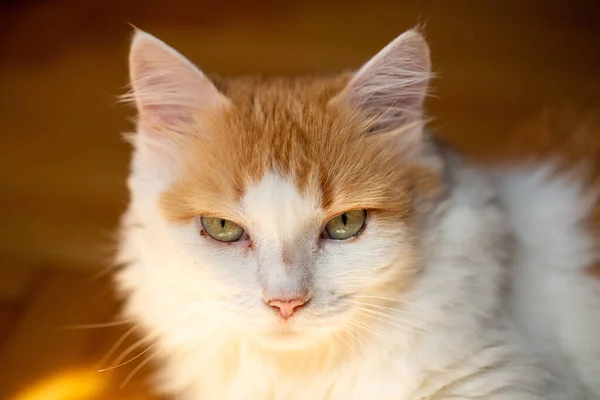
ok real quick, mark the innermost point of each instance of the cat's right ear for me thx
(167, 89)
(392, 86)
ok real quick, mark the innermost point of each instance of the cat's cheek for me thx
(199, 252)
(358, 266)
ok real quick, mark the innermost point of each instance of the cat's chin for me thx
(286, 339)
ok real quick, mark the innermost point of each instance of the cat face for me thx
(278, 209)
(285, 255)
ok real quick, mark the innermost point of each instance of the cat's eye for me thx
(221, 229)
(346, 225)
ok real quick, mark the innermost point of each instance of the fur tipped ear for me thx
(167, 88)
(392, 86)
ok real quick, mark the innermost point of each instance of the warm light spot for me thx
(69, 385)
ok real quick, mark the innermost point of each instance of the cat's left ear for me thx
(391, 87)
(168, 90)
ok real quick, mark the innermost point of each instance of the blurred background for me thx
(63, 163)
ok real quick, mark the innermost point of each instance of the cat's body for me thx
(465, 282)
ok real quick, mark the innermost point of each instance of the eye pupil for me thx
(221, 229)
(346, 225)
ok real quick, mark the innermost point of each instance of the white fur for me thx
(180, 289)
(553, 299)
(456, 314)
(282, 224)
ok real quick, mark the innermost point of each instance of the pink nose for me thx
(287, 307)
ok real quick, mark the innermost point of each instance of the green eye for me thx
(222, 230)
(346, 225)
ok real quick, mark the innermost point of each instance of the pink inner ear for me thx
(169, 116)
(394, 83)
(167, 88)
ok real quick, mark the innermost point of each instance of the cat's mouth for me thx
(292, 335)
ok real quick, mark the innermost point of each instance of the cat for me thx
(311, 238)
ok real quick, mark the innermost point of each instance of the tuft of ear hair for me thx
(391, 87)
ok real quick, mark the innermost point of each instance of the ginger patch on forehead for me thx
(289, 127)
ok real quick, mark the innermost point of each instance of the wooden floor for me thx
(63, 163)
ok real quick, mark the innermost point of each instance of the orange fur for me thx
(291, 127)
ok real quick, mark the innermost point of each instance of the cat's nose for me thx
(287, 307)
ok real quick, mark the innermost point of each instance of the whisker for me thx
(352, 350)
(129, 350)
(381, 319)
(373, 331)
(95, 326)
(430, 309)
(382, 307)
(391, 299)
(385, 336)
(136, 370)
(391, 312)
(395, 310)
(355, 335)
(117, 344)
(128, 361)
(410, 325)
(378, 315)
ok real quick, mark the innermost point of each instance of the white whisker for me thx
(405, 323)
(136, 370)
(392, 313)
(128, 361)
(385, 317)
(355, 335)
(384, 336)
(339, 336)
(96, 326)
(373, 331)
(129, 350)
(392, 299)
(395, 310)
(387, 321)
(117, 344)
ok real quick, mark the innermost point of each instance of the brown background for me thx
(63, 162)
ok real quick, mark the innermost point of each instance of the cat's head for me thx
(278, 209)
